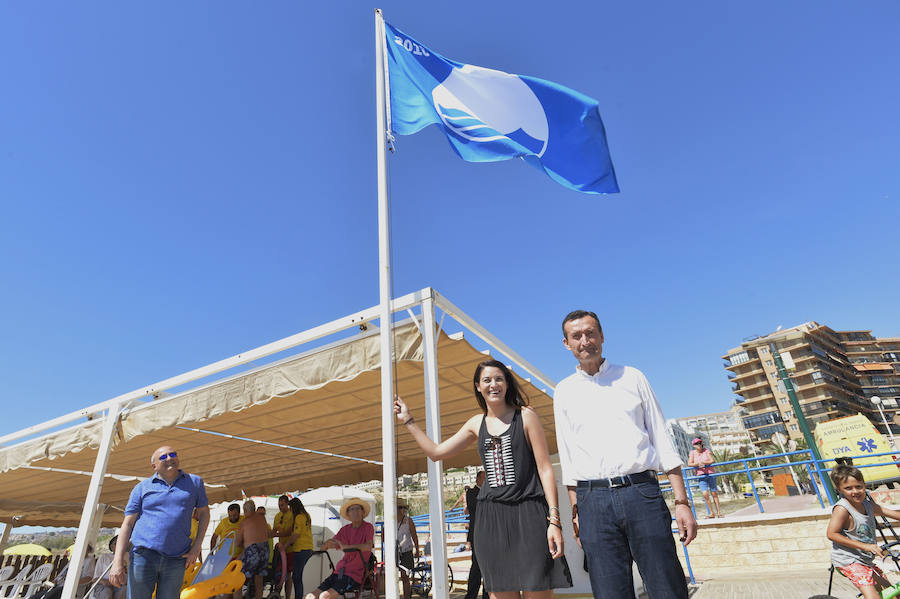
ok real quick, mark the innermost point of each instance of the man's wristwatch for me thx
(683, 502)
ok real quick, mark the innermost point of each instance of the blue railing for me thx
(816, 469)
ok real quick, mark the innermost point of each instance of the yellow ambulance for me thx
(856, 437)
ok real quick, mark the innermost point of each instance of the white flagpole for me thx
(387, 340)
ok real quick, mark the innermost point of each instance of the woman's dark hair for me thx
(842, 472)
(297, 508)
(515, 397)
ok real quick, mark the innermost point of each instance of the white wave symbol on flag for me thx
(483, 105)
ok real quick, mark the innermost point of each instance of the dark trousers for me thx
(474, 577)
(300, 559)
(628, 524)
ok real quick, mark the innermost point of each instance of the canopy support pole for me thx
(4, 539)
(435, 469)
(388, 451)
(91, 515)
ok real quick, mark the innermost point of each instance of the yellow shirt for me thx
(225, 527)
(284, 521)
(302, 526)
(194, 526)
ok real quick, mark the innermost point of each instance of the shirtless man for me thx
(254, 536)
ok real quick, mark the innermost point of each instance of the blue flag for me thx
(490, 115)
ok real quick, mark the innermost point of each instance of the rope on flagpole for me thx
(389, 141)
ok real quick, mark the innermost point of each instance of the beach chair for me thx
(40, 575)
(6, 572)
(370, 583)
(11, 587)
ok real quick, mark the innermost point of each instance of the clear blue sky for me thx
(184, 181)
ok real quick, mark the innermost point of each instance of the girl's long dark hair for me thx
(297, 508)
(515, 397)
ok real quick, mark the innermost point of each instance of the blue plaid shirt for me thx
(164, 512)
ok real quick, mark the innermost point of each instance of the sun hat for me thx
(696, 440)
(354, 501)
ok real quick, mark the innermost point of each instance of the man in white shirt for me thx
(612, 440)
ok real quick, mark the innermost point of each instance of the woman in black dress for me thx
(520, 545)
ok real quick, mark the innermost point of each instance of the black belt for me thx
(618, 481)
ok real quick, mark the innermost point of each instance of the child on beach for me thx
(852, 532)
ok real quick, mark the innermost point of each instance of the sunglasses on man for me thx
(166, 456)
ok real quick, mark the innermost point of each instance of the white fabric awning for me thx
(326, 400)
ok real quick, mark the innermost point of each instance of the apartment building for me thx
(835, 374)
(681, 438)
(721, 431)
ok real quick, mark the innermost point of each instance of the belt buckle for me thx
(623, 482)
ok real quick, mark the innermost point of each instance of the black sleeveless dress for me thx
(511, 520)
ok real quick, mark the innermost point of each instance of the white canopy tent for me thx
(311, 419)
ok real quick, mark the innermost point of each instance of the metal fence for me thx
(817, 471)
(744, 469)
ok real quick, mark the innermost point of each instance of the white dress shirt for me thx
(610, 424)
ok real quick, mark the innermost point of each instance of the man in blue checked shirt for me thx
(158, 525)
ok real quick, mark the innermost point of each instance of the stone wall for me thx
(760, 543)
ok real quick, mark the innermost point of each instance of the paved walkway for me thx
(779, 505)
(793, 585)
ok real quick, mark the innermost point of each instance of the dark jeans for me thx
(300, 559)
(628, 524)
(149, 569)
(474, 583)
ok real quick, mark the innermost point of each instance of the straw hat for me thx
(354, 501)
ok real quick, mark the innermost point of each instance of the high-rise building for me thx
(681, 439)
(722, 431)
(836, 373)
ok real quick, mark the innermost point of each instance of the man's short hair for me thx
(285, 497)
(234, 507)
(575, 315)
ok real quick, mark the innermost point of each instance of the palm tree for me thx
(728, 481)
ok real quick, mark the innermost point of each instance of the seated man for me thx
(104, 589)
(253, 535)
(87, 573)
(359, 535)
